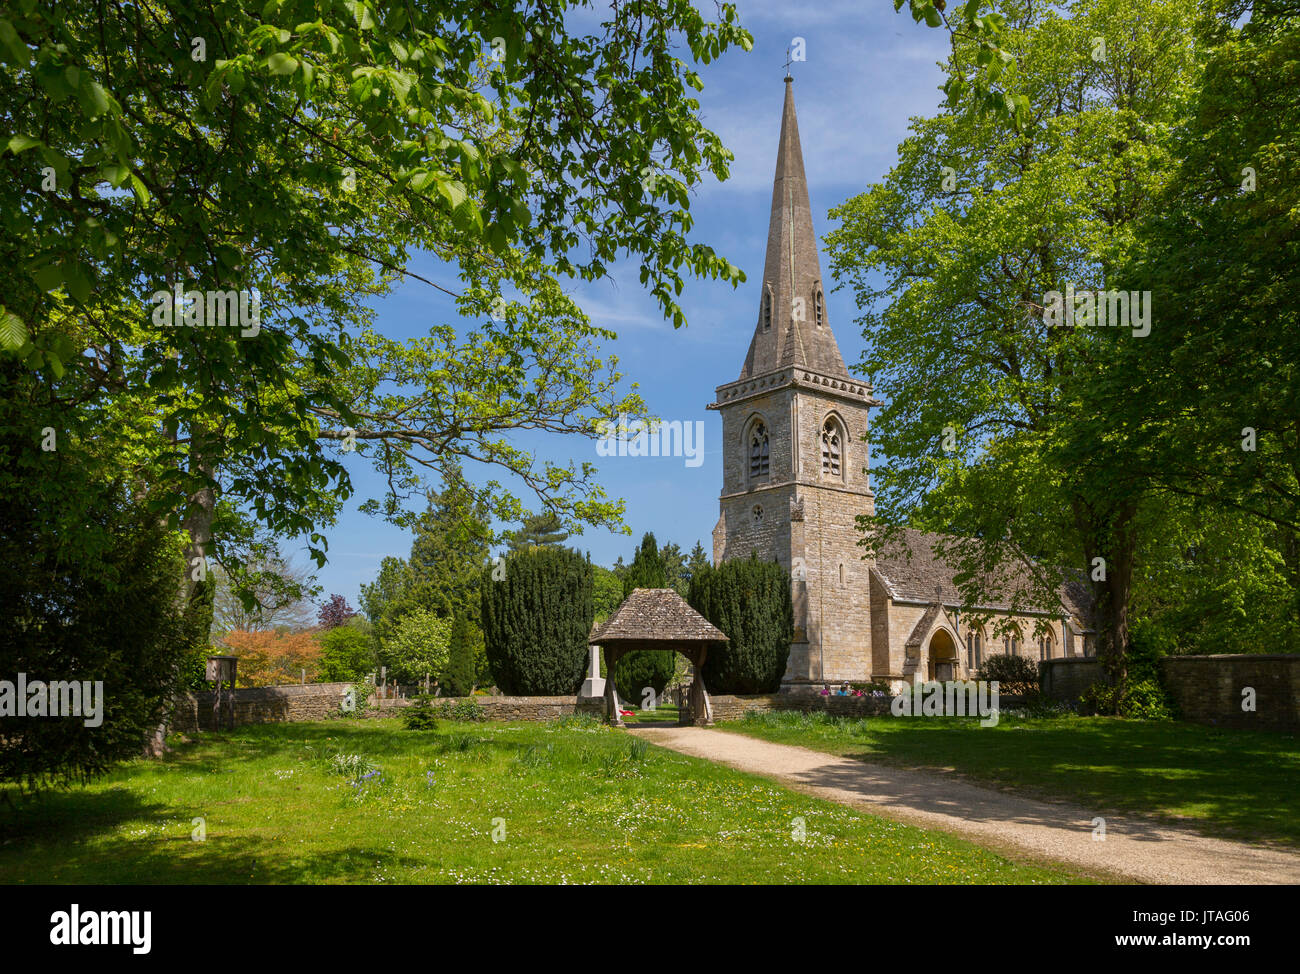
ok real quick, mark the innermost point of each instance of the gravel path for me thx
(1133, 851)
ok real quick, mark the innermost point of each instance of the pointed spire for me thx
(792, 325)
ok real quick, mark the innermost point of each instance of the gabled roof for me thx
(655, 615)
(912, 571)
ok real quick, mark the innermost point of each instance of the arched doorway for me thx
(942, 656)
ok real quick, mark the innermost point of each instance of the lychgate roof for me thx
(655, 615)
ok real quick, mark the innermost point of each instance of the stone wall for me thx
(728, 707)
(264, 705)
(1209, 689)
(1066, 679)
(260, 705)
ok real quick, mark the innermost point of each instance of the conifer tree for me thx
(749, 600)
(536, 619)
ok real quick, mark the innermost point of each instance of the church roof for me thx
(655, 615)
(790, 332)
(912, 571)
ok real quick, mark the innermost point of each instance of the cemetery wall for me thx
(262, 705)
(1206, 689)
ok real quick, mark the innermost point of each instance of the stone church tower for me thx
(794, 433)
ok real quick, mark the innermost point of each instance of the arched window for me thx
(759, 458)
(817, 305)
(832, 448)
(1045, 646)
(841, 573)
(974, 650)
(1011, 641)
(767, 307)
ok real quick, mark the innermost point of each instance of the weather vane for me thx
(788, 62)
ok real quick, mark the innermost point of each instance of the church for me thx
(796, 475)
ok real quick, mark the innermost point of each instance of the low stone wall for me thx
(1207, 689)
(260, 705)
(1066, 679)
(728, 707)
(1210, 689)
(317, 701)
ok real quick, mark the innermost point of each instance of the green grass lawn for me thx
(571, 801)
(1240, 784)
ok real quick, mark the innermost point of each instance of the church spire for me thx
(792, 328)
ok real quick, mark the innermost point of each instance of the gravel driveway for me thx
(1134, 850)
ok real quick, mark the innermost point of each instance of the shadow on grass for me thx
(1242, 783)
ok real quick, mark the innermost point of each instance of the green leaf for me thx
(140, 189)
(362, 14)
(21, 143)
(16, 52)
(48, 277)
(78, 282)
(115, 174)
(282, 63)
(13, 333)
(94, 98)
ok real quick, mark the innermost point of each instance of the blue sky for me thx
(868, 70)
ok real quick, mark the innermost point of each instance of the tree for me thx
(278, 589)
(536, 621)
(381, 599)
(290, 159)
(458, 677)
(978, 413)
(111, 619)
(335, 611)
(1206, 412)
(271, 658)
(606, 592)
(538, 531)
(750, 601)
(639, 669)
(675, 575)
(452, 540)
(346, 655)
(697, 563)
(418, 648)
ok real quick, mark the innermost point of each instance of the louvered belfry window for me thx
(767, 308)
(758, 452)
(831, 446)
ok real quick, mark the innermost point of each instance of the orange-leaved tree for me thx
(268, 659)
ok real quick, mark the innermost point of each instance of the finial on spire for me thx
(788, 62)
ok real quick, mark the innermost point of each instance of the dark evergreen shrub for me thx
(643, 668)
(457, 679)
(1015, 674)
(419, 714)
(536, 621)
(113, 616)
(749, 600)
